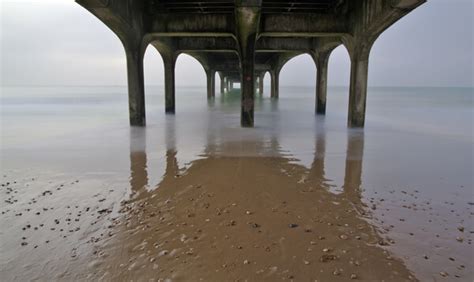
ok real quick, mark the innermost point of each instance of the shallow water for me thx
(412, 163)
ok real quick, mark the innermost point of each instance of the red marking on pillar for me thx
(248, 78)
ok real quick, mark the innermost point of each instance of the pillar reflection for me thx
(317, 170)
(138, 160)
(172, 167)
(353, 172)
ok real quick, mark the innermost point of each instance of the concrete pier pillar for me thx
(247, 15)
(211, 83)
(321, 59)
(222, 85)
(169, 62)
(136, 88)
(358, 89)
(247, 88)
(275, 83)
(260, 83)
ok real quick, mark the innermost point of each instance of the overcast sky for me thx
(57, 42)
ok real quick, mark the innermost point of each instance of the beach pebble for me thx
(292, 225)
(254, 225)
(327, 258)
(353, 276)
(444, 274)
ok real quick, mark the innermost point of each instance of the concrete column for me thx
(222, 82)
(247, 89)
(358, 89)
(255, 85)
(247, 16)
(275, 83)
(136, 89)
(260, 83)
(321, 60)
(169, 62)
(211, 83)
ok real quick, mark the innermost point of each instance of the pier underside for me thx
(241, 40)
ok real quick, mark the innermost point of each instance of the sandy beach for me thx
(232, 219)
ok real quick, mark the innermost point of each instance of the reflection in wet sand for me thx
(353, 170)
(247, 218)
(138, 160)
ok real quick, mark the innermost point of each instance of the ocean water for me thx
(64, 126)
(416, 140)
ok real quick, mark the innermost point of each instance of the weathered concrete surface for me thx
(321, 59)
(211, 83)
(249, 37)
(260, 83)
(136, 89)
(274, 83)
(247, 17)
(222, 82)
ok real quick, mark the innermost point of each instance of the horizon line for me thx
(162, 85)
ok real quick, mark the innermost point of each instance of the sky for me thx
(57, 42)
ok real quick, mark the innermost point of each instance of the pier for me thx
(242, 40)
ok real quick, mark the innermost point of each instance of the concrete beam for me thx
(284, 44)
(227, 44)
(192, 23)
(124, 18)
(303, 25)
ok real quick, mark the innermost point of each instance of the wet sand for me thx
(217, 219)
(223, 219)
(237, 219)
